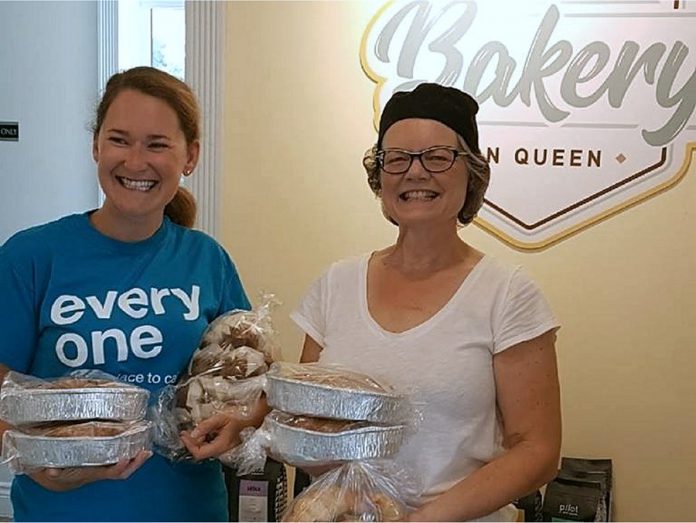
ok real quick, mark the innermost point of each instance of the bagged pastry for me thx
(356, 491)
(225, 375)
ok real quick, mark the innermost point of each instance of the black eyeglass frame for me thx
(419, 154)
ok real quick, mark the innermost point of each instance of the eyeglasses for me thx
(434, 159)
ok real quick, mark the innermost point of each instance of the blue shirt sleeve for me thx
(18, 308)
(233, 294)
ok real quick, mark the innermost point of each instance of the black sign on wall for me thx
(9, 131)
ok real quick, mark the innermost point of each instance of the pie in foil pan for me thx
(299, 440)
(76, 445)
(71, 399)
(325, 392)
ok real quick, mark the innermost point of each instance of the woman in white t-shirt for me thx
(472, 338)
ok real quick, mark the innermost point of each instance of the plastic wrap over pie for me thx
(301, 440)
(333, 392)
(75, 445)
(26, 400)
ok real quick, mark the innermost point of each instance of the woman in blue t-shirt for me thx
(127, 289)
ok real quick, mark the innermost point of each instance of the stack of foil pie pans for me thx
(72, 422)
(327, 414)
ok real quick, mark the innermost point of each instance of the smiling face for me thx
(141, 152)
(417, 196)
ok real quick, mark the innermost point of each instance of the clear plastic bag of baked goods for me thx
(253, 329)
(83, 394)
(356, 491)
(181, 408)
(334, 391)
(225, 375)
(304, 441)
(69, 445)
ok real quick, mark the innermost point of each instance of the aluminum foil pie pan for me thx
(300, 446)
(330, 396)
(37, 450)
(24, 406)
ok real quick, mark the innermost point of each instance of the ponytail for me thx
(182, 209)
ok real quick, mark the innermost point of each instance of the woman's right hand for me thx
(60, 480)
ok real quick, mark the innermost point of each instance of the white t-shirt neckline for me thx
(424, 327)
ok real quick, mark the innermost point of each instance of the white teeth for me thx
(137, 185)
(419, 195)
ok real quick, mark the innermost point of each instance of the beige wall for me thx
(298, 119)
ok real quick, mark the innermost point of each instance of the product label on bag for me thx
(586, 108)
(253, 500)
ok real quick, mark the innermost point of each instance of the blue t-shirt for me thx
(73, 298)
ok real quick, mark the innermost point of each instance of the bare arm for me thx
(528, 397)
(310, 350)
(3, 426)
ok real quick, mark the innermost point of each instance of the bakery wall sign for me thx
(587, 107)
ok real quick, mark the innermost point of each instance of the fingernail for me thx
(195, 433)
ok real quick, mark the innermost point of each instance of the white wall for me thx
(298, 117)
(48, 83)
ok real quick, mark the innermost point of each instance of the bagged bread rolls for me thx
(356, 491)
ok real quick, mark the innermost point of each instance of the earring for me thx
(187, 173)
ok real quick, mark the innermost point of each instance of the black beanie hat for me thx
(447, 105)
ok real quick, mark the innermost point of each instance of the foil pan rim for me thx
(322, 386)
(373, 429)
(139, 426)
(81, 390)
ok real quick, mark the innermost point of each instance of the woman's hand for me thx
(60, 480)
(213, 436)
(220, 432)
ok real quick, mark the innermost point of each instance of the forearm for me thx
(520, 470)
(257, 415)
(3, 425)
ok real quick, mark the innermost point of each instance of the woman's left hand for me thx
(213, 436)
(61, 480)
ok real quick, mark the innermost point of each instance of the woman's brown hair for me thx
(179, 96)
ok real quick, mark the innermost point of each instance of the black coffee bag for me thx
(569, 499)
(598, 470)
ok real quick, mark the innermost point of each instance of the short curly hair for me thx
(479, 175)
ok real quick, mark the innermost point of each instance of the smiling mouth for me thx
(418, 195)
(136, 185)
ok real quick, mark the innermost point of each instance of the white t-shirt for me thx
(446, 363)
